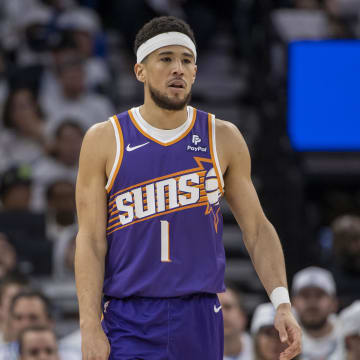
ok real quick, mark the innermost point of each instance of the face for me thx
(72, 79)
(268, 344)
(28, 312)
(313, 306)
(9, 292)
(84, 42)
(353, 346)
(62, 201)
(351, 253)
(68, 145)
(234, 318)
(17, 197)
(39, 345)
(23, 110)
(7, 256)
(168, 74)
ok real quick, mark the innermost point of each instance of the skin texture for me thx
(267, 344)
(39, 345)
(313, 306)
(160, 70)
(28, 312)
(352, 344)
(24, 115)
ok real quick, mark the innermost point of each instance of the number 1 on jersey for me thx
(165, 241)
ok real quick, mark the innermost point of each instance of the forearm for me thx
(265, 250)
(89, 275)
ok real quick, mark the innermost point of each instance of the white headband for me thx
(164, 39)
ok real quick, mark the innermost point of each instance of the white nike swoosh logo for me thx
(129, 148)
(217, 309)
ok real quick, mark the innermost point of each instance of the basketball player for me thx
(150, 227)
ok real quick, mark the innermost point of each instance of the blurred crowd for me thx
(61, 62)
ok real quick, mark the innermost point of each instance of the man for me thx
(27, 308)
(267, 345)
(237, 343)
(314, 299)
(149, 217)
(38, 343)
(15, 188)
(346, 262)
(10, 285)
(350, 332)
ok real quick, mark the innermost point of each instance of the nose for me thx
(43, 356)
(178, 68)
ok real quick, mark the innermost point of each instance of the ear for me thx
(194, 74)
(139, 70)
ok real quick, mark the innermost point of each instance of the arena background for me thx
(86, 47)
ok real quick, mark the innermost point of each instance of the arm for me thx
(91, 245)
(260, 237)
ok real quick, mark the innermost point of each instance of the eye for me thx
(186, 61)
(166, 59)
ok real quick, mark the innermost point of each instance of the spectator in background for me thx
(10, 285)
(350, 333)
(15, 189)
(84, 25)
(267, 344)
(61, 49)
(62, 162)
(73, 99)
(237, 343)
(61, 208)
(38, 343)
(314, 299)
(8, 258)
(346, 265)
(27, 308)
(22, 139)
(33, 35)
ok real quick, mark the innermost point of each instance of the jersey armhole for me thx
(213, 151)
(119, 152)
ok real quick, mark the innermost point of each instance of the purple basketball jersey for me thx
(164, 229)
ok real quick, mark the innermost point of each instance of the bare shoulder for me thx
(99, 132)
(230, 143)
(99, 141)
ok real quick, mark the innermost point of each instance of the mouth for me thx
(177, 84)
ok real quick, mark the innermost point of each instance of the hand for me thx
(94, 344)
(289, 331)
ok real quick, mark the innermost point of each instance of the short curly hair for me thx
(161, 25)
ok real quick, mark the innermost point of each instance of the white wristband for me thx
(280, 295)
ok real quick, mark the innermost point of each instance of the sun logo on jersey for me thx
(213, 195)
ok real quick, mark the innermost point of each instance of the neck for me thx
(161, 118)
(233, 345)
(318, 333)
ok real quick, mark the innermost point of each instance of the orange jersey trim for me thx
(212, 154)
(160, 142)
(121, 140)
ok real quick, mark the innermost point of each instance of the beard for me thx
(314, 324)
(164, 102)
